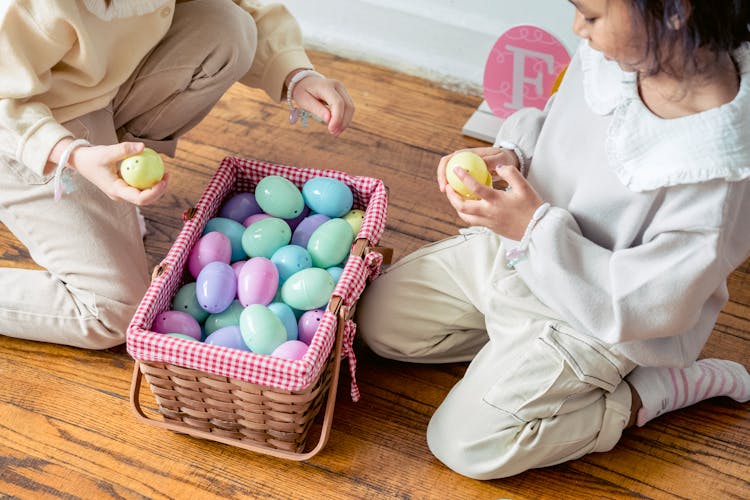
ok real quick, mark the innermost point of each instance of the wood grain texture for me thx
(66, 430)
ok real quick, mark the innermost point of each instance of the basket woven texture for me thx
(256, 402)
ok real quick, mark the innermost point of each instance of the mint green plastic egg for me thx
(185, 300)
(331, 243)
(308, 289)
(228, 317)
(264, 237)
(279, 197)
(261, 329)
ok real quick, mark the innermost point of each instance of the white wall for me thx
(443, 40)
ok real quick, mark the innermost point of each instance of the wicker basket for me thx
(255, 402)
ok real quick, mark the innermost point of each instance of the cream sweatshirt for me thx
(62, 59)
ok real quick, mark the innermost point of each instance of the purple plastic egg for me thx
(229, 336)
(308, 325)
(293, 223)
(291, 349)
(216, 287)
(254, 218)
(239, 207)
(306, 228)
(258, 282)
(177, 322)
(211, 247)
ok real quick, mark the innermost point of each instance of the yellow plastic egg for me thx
(472, 163)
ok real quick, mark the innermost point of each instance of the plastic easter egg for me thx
(293, 223)
(279, 197)
(335, 273)
(211, 247)
(308, 289)
(255, 218)
(142, 170)
(258, 282)
(186, 301)
(228, 336)
(327, 196)
(287, 317)
(331, 243)
(306, 228)
(308, 324)
(290, 259)
(239, 207)
(182, 336)
(472, 163)
(216, 286)
(354, 218)
(233, 230)
(176, 322)
(291, 349)
(228, 317)
(263, 238)
(261, 329)
(237, 266)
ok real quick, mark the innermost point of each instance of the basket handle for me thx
(135, 405)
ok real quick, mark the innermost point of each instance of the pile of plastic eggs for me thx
(265, 267)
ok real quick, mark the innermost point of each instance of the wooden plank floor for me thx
(66, 429)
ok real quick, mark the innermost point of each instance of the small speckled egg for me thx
(279, 197)
(228, 336)
(228, 317)
(239, 207)
(327, 196)
(290, 259)
(308, 324)
(177, 322)
(233, 230)
(287, 317)
(291, 349)
(186, 301)
(258, 282)
(211, 247)
(263, 238)
(261, 329)
(216, 286)
(331, 243)
(308, 289)
(354, 218)
(307, 227)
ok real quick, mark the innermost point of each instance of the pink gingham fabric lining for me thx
(236, 175)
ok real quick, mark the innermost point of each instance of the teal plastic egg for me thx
(327, 196)
(331, 243)
(264, 237)
(290, 259)
(182, 336)
(279, 197)
(335, 272)
(233, 230)
(228, 317)
(261, 329)
(308, 289)
(287, 317)
(185, 300)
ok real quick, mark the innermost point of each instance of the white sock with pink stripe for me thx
(666, 389)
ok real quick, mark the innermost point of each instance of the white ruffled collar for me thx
(120, 9)
(647, 152)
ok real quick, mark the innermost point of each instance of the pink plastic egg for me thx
(254, 218)
(258, 282)
(291, 349)
(211, 247)
(308, 325)
(177, 322)
(216, 287)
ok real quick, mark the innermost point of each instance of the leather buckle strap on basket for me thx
(258, 403)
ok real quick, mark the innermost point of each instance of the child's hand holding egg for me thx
(142, 170)
(474, 165)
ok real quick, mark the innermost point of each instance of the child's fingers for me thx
(117, 152)
(441, 178)
(481, 190)
(511, 176)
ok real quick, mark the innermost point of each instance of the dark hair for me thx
(683, 26)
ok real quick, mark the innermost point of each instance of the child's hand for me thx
(506, 212)
(99, 164)
(493, 157)
(326, 99)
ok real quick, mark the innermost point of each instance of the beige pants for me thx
(95, 269)
(536, 393)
